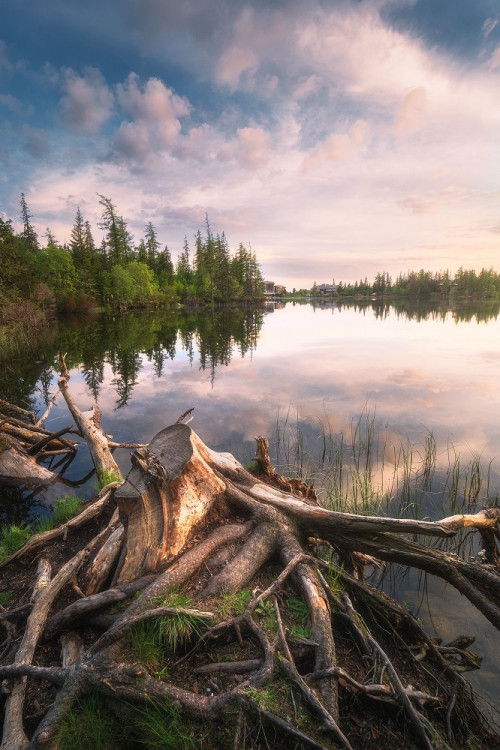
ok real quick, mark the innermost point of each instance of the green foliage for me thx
(234, 603)
(5, 597)
(90, 725)
(267, 615)
(299, 613)
(151, 639)
(163, 727)
(12, 539)
(106, 477)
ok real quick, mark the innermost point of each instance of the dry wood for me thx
(71, 649)
(168, 491)
(104, 560)
(176, 490)
(17, 410)
(93, 434)
(15, 463)
(47, 411)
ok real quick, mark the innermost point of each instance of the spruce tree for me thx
(117, 240)
(28, 234)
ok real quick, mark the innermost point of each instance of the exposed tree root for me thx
(310, 645)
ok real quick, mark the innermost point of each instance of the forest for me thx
(118, 273)
(420, 285)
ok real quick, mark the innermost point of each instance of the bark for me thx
(191, 518)
(89, 427)
(17, 464)
(169, 490)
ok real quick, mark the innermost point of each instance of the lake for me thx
(395, 409)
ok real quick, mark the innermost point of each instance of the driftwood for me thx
(189, 518)
(17, 464)
(89, 426)
(24, 441)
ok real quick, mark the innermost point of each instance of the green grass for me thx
(300, 616)
(163, 727)
(253, 467)
(267, 616)
(153, 639)
(234, 603)
(64, 509)
(105, 477)
(368, 469)
(90, 725)
(266, 697)
(5, 597)
(12, 538)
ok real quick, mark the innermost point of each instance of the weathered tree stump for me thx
(169, 490)
(188, 518)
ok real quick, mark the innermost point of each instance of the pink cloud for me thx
(155, 111)
(88, 101)
(306, 87)
(409, 114)
(338, 146)
(253, 146)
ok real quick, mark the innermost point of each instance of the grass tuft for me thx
(106, 477)
(90, 725)
(162, 727)
(152, 638)
(12, 538)
(233, 603)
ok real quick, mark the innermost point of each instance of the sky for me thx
(337, 139)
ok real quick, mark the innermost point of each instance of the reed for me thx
(365, 469)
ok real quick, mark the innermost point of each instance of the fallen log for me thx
(17, 464)
(90, 428)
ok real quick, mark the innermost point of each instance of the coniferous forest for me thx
(119, 272)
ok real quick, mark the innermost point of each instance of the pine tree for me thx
(28, 234)
(152, 245)
(77, 241)
(183, 270)
(117, 241)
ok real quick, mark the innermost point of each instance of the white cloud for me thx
(88, 101)
(489, 25)
(155, 111)
(338, 146)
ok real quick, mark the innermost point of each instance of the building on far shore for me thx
(271, 289)
(325, 288)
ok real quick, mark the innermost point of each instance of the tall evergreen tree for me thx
(152, 244)
(28, 234)
(117, 240)
(77, 240)
(183, 268)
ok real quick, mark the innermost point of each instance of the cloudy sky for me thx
(337, 138)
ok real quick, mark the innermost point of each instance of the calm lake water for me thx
(403, 383)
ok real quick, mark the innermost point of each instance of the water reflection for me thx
(416, 371)
(121, 342)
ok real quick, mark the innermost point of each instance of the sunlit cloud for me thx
(324, 127)
(88, 101)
